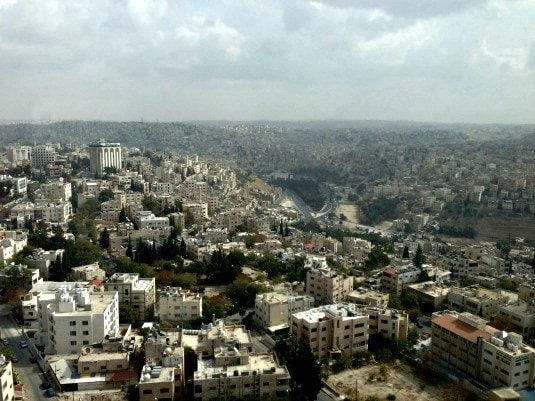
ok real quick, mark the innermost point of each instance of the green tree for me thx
(303, 366)
(376, 259)
(122, 215)
(405, 252)
(104, 239)
(128, 314)
(105, 195)
(419, 257)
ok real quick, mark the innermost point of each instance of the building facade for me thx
(104, 154)
(332, 329)
(177, 305)
(327, 286)
(135, 291)
(276, 308)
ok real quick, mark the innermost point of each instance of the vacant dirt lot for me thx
(349, 210)
(400, 380)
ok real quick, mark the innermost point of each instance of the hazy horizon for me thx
(407, 61)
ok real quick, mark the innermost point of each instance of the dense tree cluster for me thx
(378, 210)
(455, 231)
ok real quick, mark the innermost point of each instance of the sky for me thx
(125, 60)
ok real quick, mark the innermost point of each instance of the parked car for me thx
(14, 359)
(46, 385)
(23, 344)
(50, 392)
(33, 359)
(5, 341)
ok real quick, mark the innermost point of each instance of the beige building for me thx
(58, 190)
(332, 329)
(276, 308)
(389, 323)
(526, 291)
(521, 316)
(233, 375)
(327, 286)
(162, 378)
(135, 291)
(456, 341)
(396, 280)
(477, 300)
(368, 297)
(431, 294)
(7, 389)
(177, 305)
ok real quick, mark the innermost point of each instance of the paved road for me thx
(29, 373)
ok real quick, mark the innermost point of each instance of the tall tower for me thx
(104, 154)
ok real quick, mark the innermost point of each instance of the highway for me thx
(29, 373)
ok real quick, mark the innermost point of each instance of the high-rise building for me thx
(43, 155)
(7, 392)
(104, 154)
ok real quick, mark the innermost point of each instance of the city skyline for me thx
(456, 61)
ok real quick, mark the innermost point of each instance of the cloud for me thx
(291, 59)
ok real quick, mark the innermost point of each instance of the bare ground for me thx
(401, 380)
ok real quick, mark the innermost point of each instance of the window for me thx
(72, 323)
(126, 291)
(85, 333)
(73, 342)
(164, 390)
(149, 391)
(72, 333)
(85, 323)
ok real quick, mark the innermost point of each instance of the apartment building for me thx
(162, 378)
(430, 295)
(369, 297)
(389, 323)
(507, 362)
(526, 291)
(89, 272)
(57, 191)
(177, 305)
(104, 154)
(11, 243)
(42, 155)
(521, 316)
(77, 317)
(395, 280)
(276, 308)
(135, 291)
(478, 300)
(57, 212)
(235, 375)
(7, 389)
(332, 329)
(327, 286)
(456, 341)
(147, 220)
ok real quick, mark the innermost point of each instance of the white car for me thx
(23, 344)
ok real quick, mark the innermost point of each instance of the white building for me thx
(104, 154)
(146, 219)
(7, 390)
(77, 317)
(332, 329)
(176, 305)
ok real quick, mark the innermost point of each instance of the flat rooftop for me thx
(455, 325)
(262, 363)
